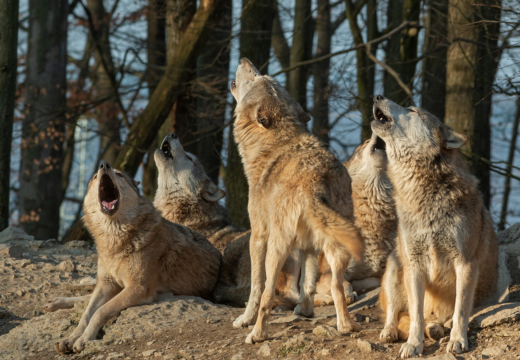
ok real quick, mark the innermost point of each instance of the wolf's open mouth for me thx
(165, 147)
(380, 116)
(108, 195)
(379, 145)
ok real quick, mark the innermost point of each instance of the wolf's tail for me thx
(337, 227)
(403, 326)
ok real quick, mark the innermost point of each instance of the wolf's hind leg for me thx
(309, 273)
(392, 299)
(258, 249)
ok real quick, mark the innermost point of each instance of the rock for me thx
(36, 244)
(287, 319)
(20, 292)
(88, 280)
(149, 353)
(367, 284)
(364, 346)
(12, 251)
(326, 330)
(67, 265)
(495, 351)
(504, 279)
(446, 356)
(238, 356)
(114, 356)
(323, 352)
(358, 317)
(265, 350)
(495, 315)
(77, 244)
(508, 236)
(4, 313)
(14, 234)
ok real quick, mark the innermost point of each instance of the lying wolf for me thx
(139, 254)
(187, 196)
(446, 250)
(375, 214)
(299, 198)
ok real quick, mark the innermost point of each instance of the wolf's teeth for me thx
(112, 208)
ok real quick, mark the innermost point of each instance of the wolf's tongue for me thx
(109, 205)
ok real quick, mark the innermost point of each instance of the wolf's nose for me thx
(379, 97)
(104, 166)
(172, 135)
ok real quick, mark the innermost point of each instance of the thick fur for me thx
(139, 255)
(187, 196)
(446, 250)
(299, 198)
(375, 214)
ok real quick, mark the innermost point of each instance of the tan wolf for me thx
(446, 249)
(375, 214)
(299, 198)
(139, 254)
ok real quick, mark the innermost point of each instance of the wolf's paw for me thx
(55, 304)
(389, 334)
(242, 321)
(457, 346)
(348, 326)
(434, 331)
(351, 297)
(307, 312)
(79, 345)
(254, 338)
(64, 346)
(409, 350)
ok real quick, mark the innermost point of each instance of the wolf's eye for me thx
(119, 174)
(366, 142)
(410, 110)
(190, 159)
(95, 177)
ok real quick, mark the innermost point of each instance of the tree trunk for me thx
(40, 194)
(401, 52)
(8, 70)
(255, 44)
(279, 42)
(434, 65)
(321, 126)
(486, 69)
(156, 42)
(145, 128)
(212, 93)
(365, 67)
(301, 49)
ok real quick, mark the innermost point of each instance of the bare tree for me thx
(8, 64)
(40, 193)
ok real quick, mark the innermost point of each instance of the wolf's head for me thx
(412, 128)
(182, 173)
(368, 157)
(112, 194)
(263, 102)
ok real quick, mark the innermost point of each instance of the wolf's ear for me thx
(263, 116)
(452, 139)
(136, 183)
(211, 192)
(304, 117)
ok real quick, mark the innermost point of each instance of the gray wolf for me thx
(299, 198)
(140, 254)
(375, 215)
(446, 249)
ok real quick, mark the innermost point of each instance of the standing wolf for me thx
(446, 249)
(139, 254)
(299, 198)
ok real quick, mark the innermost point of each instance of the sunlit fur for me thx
(299, 198)
(446, 249)
(139, 255)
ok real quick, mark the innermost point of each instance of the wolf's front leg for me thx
(467, 274)
(415, 291)
(129, 296)
(102, 293)
(392, 298)
(257, 249)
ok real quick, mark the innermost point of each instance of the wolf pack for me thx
(404, 207)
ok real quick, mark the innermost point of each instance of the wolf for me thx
(446, 253)
(375, 216)
(140, 254)
(299, 198)
(187, 196)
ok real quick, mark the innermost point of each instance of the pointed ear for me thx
(452, 139)
(136, 183)
(211, 192)
(304, 117)
(263, 116)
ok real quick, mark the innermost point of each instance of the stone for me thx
(364, 346)
(323, 352)
(445, 356)
(67, 265)
(367, 284)
(77, 244)
(149, 353)
(36, 244)
(508, 236)
(265, 350)
(88, 280)
(238, 356)
(114, 356)
(326, 331)
(14, 234)
(504, 279)
(495, 315)
(495, 351)
(287, 319)
(358, 317)
(11, 251)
